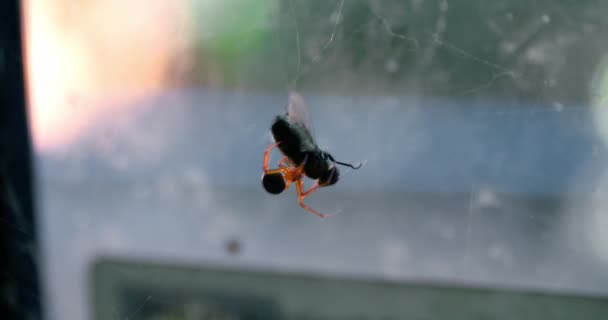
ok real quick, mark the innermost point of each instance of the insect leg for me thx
(302, 195)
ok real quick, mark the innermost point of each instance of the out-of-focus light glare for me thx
(84, 56)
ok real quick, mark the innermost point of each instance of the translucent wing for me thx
(297, 112)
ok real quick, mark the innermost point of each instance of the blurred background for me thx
(483, 126)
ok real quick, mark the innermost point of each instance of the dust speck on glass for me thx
(482, 125)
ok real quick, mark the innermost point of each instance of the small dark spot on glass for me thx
(233, 246)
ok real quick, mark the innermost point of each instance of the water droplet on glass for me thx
(546, 18)
(558, 106)
(391, 66)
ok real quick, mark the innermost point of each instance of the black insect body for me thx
(296, 143)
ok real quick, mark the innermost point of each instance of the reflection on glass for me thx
(481, 124)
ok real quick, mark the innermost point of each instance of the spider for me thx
(278, 180)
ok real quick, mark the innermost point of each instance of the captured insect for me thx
(292, 133)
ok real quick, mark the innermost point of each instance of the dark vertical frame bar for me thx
(19, 282)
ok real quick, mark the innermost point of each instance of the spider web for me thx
(322, 49)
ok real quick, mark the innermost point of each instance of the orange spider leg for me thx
(267, 159)
(290, 174)
(302, 195)
(300, 169)
(293, 174)
(285, 172)
(311, 190)
(281, 163)
(285, 159)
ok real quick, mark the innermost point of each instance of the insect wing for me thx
(298, 113)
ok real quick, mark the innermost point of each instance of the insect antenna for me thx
(331, 158)
(349, 165)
